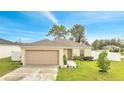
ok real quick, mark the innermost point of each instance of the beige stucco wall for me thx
(23, 56)
(75, 52)
(87, 52)
(61, 53)
(23, 52)
(5, 50)
(65, 52)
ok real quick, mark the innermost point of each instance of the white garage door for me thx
(42, 57)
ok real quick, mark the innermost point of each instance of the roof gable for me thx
(7, 42)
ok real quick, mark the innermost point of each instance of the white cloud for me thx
(94, 17)
(39, 16)
(6, 22)
(20, 31)
(25, 35)
(51, 17)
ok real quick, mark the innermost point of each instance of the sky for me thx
(29, 26)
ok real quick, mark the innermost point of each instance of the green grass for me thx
(6, 66)
(88, 71)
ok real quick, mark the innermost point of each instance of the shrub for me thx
(114, 50)
(103, 62)
(76, 58)
(21, 63)
(81, 58)
(122, 49)
(65, 60)
(88, 58)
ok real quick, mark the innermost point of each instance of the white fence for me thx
(111, 56)
(15, 56)
(5, 50)
(95, 55)
(114, 56)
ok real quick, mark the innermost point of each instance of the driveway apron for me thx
(32, 73)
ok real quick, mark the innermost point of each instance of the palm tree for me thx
(58, 32)
(77, 33)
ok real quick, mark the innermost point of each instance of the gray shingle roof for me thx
(56, 43)
(7, 42)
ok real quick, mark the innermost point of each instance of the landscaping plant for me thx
(103, 62)
(88, 58)
(114, 50)
(76, 58)
(65, 60)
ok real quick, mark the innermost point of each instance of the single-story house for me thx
(111, 47)
(51, 52)
(6, 47)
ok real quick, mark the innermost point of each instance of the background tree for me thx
(77, 33)
(101, 44)
(113, 41)
(86, 42)
(98, 44)
(58, 32)
(119, 42)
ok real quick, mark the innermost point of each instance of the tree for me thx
(101, 44)
(58, 32)
(86, 43)
(96, 44)
(119, 43)
(103, 63)
(77, 33)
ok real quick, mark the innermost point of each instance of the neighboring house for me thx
(51, 52)
(111, 47)
(6, 47)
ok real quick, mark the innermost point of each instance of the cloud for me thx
(13, 30)
(32, 15)
(25, 35)
(40, 16)
(92, 17)
(20, 31)
(102, 15)
(95, 17)
(6, 22)
(51, 17)
(26, 39)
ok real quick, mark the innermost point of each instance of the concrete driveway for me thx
(32, 73)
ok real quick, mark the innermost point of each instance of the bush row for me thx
(88, 58)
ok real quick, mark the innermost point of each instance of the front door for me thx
(69, 54)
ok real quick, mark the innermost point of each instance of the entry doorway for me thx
(69, 54)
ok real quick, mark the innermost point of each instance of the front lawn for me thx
(6, 66)
(89, 71)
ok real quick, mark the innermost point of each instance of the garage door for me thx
(41, 57)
